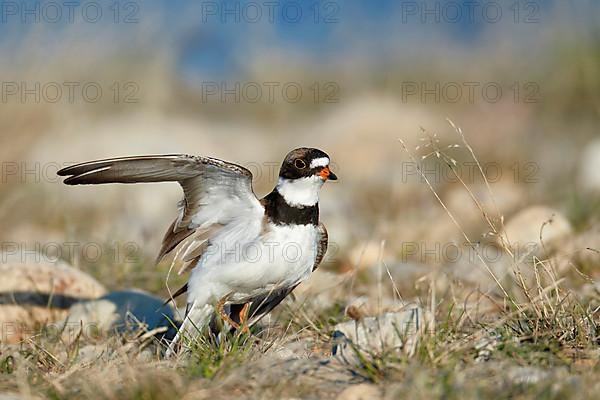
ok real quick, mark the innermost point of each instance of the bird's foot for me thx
(244, 318)
(221, 310)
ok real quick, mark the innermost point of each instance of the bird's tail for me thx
(197, 317)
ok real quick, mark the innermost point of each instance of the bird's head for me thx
(305, 163)
(302, 173)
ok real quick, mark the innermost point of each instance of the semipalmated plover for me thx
(246, 255)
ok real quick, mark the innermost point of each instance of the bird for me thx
(245, 254)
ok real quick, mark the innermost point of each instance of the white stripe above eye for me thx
(319, 162)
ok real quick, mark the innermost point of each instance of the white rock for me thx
(371, 305)
(505, 195)
(589, 167)
(527, 375)
(472, 269)
(120, 311)
(91, 317)
(15, 396)
(37, 274)
(368, 255)
(294, 349)
(522, 231)
(92, 353)
(322, 289)
(364, 391)
(389, 331)
(582, 249)
(36, 293)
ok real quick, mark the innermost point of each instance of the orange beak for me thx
(326, 174)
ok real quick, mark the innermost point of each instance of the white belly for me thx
(283, 257)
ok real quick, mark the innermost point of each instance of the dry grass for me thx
(528, 331)
(538, 339)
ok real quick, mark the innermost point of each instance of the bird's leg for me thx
(221, 310)
(244, 318)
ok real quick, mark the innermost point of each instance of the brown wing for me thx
(216, 193)
(322, 245)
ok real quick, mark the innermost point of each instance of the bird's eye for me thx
(300, 164)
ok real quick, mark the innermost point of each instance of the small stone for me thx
(522, 231)
(363, 391)
(371, 305)
(321, 290)
(485, 347)
(36, 292)
(91, 353)
(389, 331)
(589, 167)
(472, 269)
(121, 311)
(15, 396)
(581, 250)
(368, 255)
(527, 375)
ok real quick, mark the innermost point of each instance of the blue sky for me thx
(217, 37)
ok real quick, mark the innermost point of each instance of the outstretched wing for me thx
(216, 193)
(262, 305)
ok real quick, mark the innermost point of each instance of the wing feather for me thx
(321, 245)
(216, 192)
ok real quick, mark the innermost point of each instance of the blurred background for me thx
(248, 81)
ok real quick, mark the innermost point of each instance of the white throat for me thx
(300, 192)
